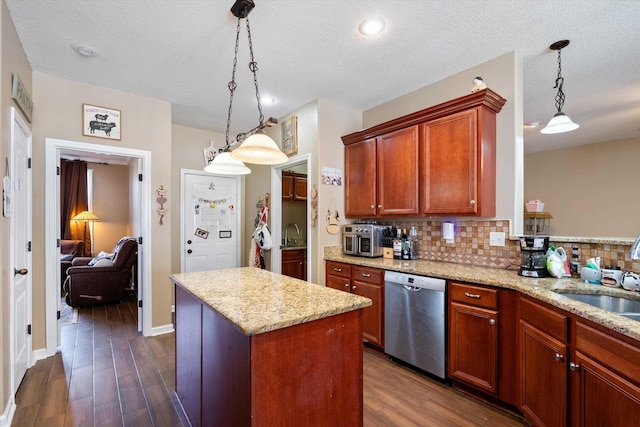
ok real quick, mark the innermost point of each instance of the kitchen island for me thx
(255, 348)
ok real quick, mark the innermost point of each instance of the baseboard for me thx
(160, 330)
(9, 411)
(40, 354)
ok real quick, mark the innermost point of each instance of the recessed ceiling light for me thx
(266, 99)
(372, 26)
(84, 49)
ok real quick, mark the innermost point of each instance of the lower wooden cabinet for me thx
(367, 282)
(473, 336)
(544, 359)
(294, 263)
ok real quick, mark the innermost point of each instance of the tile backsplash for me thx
(471, 245)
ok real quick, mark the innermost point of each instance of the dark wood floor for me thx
(107, 374)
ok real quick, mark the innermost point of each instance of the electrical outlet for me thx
(496, 238)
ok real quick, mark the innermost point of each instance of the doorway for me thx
(300, 162)
(140, 191)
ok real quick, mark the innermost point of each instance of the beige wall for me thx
(110, 204)
(13, 60)
(590, 190)
(504, 76)
(146, 125)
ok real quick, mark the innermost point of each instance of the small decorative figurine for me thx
(478, 84)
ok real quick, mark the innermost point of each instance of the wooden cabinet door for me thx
(300, 188)
(473, 346)
(372, 316)
(293, 263)
(449, 158)
(287, 187)
(339, 283)
(602, 397)
(543, 377)
(397, 155)
(360, 179)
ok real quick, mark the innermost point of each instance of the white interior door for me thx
(210, 221)
(20, 213)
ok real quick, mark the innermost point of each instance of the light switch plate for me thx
(496, 238)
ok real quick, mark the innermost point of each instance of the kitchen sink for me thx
(622, 306)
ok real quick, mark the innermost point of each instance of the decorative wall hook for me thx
(161, 199)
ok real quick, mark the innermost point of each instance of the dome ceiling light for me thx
(371, 26)
(560, 122)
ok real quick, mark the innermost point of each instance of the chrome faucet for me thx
(286, 232)
(634, 253)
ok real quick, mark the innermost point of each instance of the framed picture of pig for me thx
(101, 122)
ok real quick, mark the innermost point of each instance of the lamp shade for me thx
(259, 149)
(85, 216)
(559, 123)
(224, 164)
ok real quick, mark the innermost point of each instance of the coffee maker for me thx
(533, 258)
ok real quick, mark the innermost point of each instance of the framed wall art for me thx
(101, 122)
(290, 136)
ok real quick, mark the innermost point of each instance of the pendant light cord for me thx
(253, 67)
(559, 83)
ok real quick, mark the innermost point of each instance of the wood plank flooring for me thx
(106, 374)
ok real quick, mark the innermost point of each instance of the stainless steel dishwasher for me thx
(414, 320)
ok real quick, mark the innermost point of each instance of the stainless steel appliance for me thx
(533, 258)
(363, 239)
(414, 320)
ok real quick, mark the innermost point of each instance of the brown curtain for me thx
(73, 200)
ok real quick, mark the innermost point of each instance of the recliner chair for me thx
(88, 285)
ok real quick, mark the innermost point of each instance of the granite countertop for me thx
(548, 290)
(258, 301)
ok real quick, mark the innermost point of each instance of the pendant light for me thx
(224, 164)
(560, 122)
(256, 147)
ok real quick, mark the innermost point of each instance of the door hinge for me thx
(57, 243)
(140, 303)
(58, 315)
(28, 329)
(140, 240)
(58, 170)
(29, 246)
(140, 177)
(29, 163)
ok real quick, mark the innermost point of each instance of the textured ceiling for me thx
(182, 52)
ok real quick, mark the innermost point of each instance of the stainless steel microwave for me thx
(363, 239)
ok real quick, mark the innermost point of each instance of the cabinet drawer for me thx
(473, 295)
(608, 350)
(369, 275)
(545, 319)
(338, 269)
(293, 254)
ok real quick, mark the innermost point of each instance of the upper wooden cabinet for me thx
(437, 161)
(294, 186)
(381, 175)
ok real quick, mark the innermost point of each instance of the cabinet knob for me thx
(492, 322)
(353, 288)
(559, 357)
(379, 206)
(372, 207)
(472, 202)
(346, 285)
(573, 366)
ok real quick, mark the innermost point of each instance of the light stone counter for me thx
(258, 301)
(548, 290)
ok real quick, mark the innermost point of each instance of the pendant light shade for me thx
(559, 123)
(224, 164)
(260, 149)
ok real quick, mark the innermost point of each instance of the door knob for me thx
(21, 271)
(189, 251)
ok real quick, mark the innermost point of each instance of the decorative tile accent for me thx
(471, 245)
